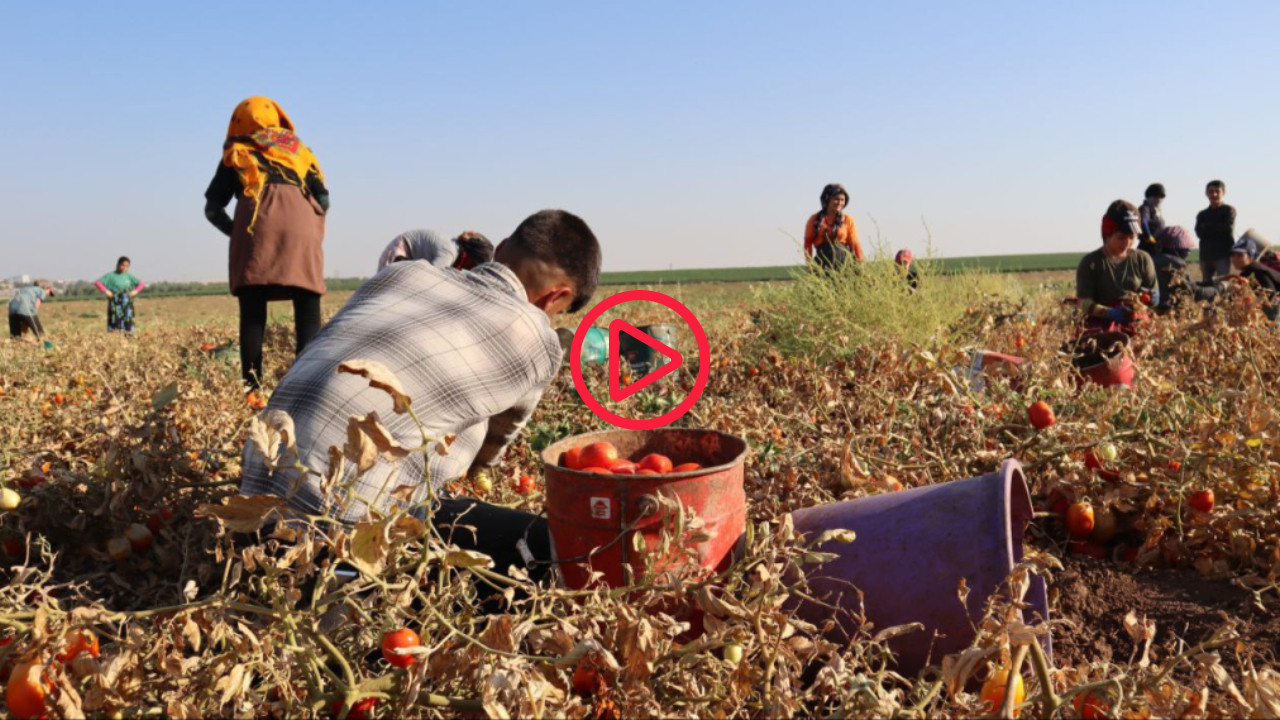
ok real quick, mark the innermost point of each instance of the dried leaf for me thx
(467, 559)
(381, 378)
(244, 514)
(367, 438)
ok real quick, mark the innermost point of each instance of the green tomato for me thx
(1108, 452)
(733, 653)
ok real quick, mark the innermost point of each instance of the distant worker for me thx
(24, 309)
(905, 260)
(461, 253)
(1111, 280)
(1215, 226)
(1152, 219)
(1244, 258)
(121, 288)
(831, 235)
(1173, 245)
(276, 236)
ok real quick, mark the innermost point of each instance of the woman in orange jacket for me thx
(830, 235)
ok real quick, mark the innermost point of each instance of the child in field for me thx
(906, 261)
(120, 287)
(461, 253)
(1152, 219)
(24, 307)
(1215, 226)
(1110, 279)
(1244, 258)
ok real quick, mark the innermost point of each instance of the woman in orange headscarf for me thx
(276, 236)
(831, 236)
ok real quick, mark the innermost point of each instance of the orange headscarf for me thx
(260, 128)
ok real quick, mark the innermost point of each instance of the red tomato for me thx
(657, 463)
(596, 470)
(76, 642)
(1091, 706)
(1080, 520)
(26, 691)
(571, 458)
(1201, 501)
(359, 711)
(526, 484)
(623, 467)
(587, 679)
(1041, 415)
(646, 471)
(686, 467)
(396, 640)
(601, 454)
(1175, 466)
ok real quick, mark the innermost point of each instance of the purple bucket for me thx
(911, 551)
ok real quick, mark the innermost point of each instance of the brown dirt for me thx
(1187, 609)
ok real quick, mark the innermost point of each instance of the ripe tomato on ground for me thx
(396, 640)
(526, 484)
(992, 694)
(1041, 415)
(1080, 520)
(27, 691)
(601, 454)
(76, 642)
(1091, 706)
(587, 678)
(1201, 501)
(656, 462)
(360, 711)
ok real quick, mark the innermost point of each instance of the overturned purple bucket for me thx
(912, 549)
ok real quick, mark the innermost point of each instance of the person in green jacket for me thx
(120, 287)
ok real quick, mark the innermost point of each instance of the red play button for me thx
(674, 360)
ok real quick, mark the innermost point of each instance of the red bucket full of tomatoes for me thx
(610, 494)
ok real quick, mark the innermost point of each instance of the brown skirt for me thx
(285, 248)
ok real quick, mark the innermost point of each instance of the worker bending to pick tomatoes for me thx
(1116, 284)
(473, 350)
(461, 253)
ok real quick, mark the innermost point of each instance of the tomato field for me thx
(1157, 529)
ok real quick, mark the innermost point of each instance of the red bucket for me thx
(1116, 371)
(593, 519)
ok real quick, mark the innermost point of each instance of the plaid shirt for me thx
(470, 351)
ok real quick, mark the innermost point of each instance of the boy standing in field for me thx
(473, 350)
(1215, 226)
(24, 307)
(1152, 219)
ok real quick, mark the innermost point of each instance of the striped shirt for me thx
(470, 350)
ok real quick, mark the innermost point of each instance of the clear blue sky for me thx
(688, 134)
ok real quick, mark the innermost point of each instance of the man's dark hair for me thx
(1216, 184)
(562, 239)
(123, 259)
(477, 247)
(1155, 190)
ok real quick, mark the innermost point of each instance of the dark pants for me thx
(1215, 268)
(497, 533)
(19, 324)
(253, 324)
(831, 255)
